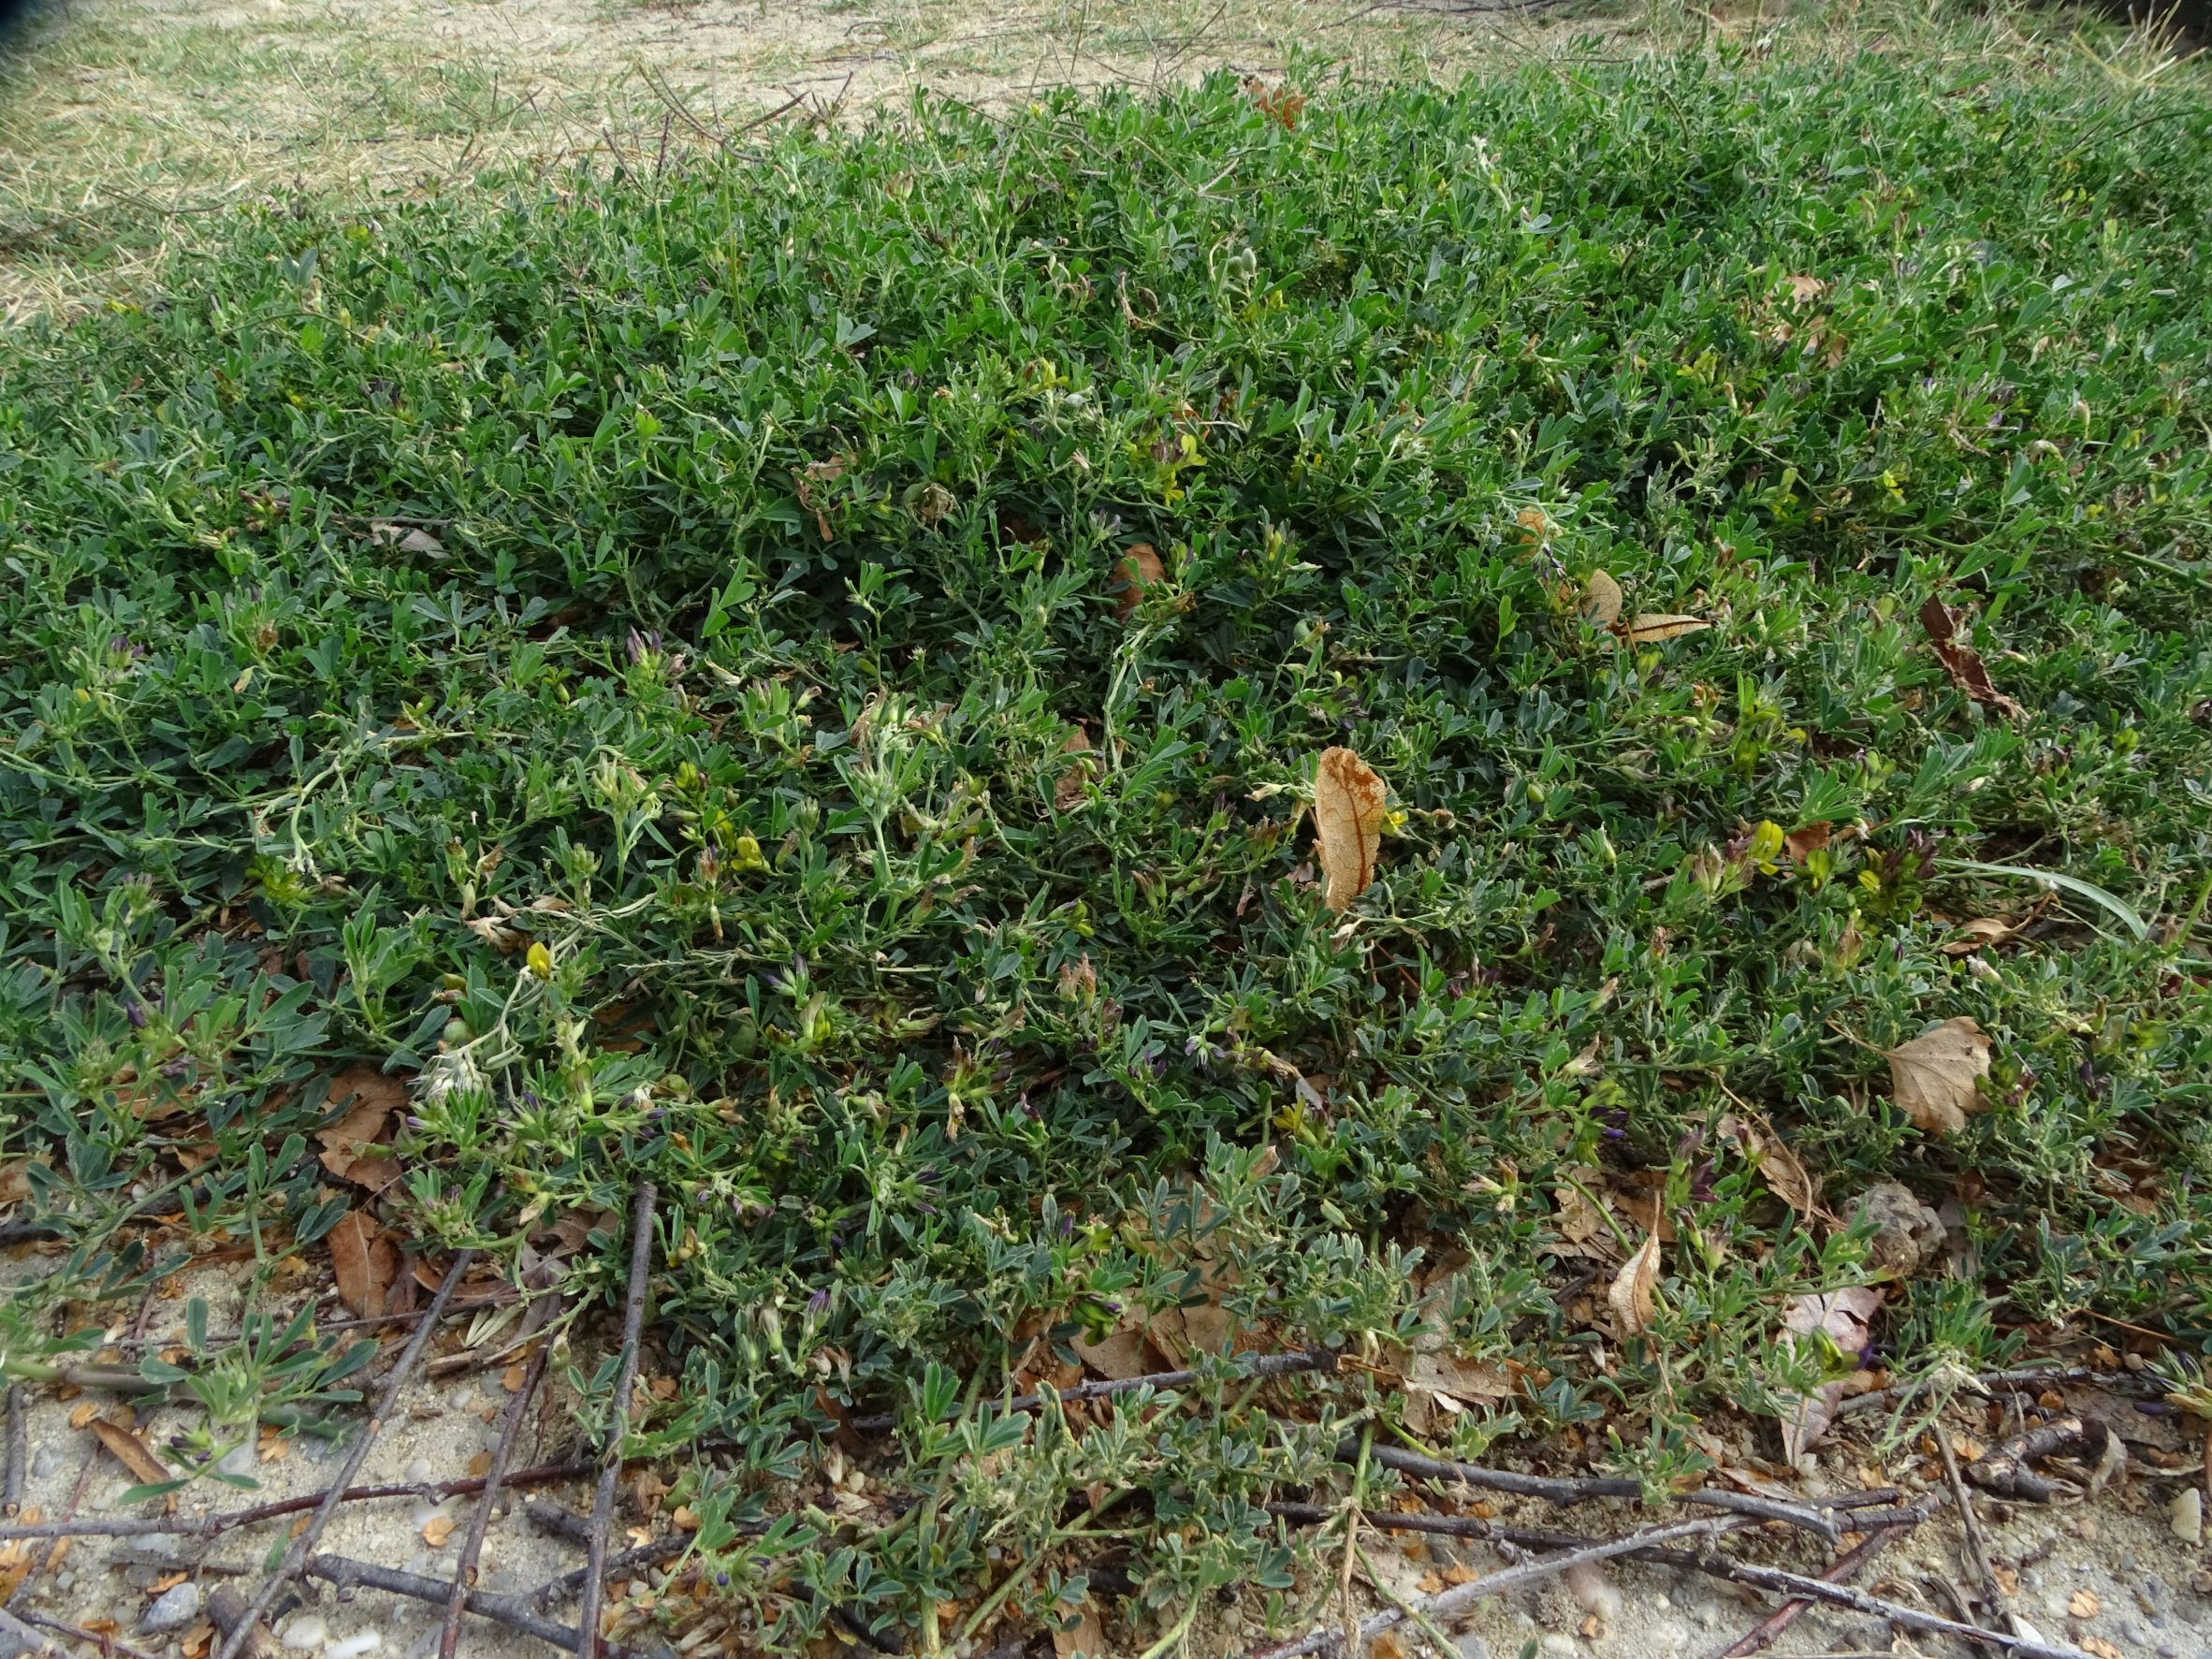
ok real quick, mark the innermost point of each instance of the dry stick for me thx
(210, 1527)
(2004, 1469)
(27, 1640)
(464, 1572)
(1764, 1634)
(602, 1503)
(19, 1445)
(107, 1644)
(346, 1575)
(1555, 1489)
(2000, 1379)
(303, 1546)
(1448, 1602)
(1839, 1596)
(1976, 1550)
(1159, 1381)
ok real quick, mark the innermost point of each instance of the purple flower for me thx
(135, 1012)
(819, 1301)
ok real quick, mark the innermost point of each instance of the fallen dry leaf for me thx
(1805, 289)
(1446, 1384)
(2083, 1604)
(408, 539)
(1933, 1078)
(1806, 840)
(1348, 801)
(1581, 1225)
(130, 1451)
(1841, 1316)
(1138, 569)
(1085, 1635)
(1653, 626)
(436, 1530)
(1961, 662)
(480, 1466)
(1972, 935)
(1387, 1646)
(511, 1378)
(2100, 1649)
(1601, 599)
(1073, 784)
(82, 1413)
(349, 1149)
(1118, 1358)
(1632, 1288)
(365, 1262)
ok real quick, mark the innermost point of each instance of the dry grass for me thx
(124, 122)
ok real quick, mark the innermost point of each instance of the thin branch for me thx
(1977, 1552)
(1581, 1488)
(1448, 1602)
(107, 1644)
(346, 1575)
(210, 1527)
(1159, 1381)
(27, 1640)
(2003, 1469)
(1983, 1381)
(1764, 1634)
(296, 1557)
(1837, 1596)
(464, 1572)
(19, 1445)
(602, 1503)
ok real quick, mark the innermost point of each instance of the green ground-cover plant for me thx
(658, 657)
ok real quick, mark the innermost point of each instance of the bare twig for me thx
(210, 1527)
(602, 1503)
(303, 1546)
(1983, 1381)
(1977, 1551)
(464, 1572)
(1159, 1381)
(18, 1441)
(105, 1643)
(1581, 1488)
(27, 1640)
(1446, 1604)
(1837, 1596)
(1763, 1634)
(2003, 1470)
(346, 1575)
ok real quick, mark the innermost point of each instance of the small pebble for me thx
(2169, 1650)
(1558, 1644)
(172, 1609)
(47, 1463)
(65, 1582)
(419, 1472)
(306, 1632)
(1668, 1635)
(354, 1646)
(1471, 1645)
(239, 1460)
(1660, 1603)
(2186, 1516)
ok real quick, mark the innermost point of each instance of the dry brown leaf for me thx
(2083, 1604)
(1387, 1646)
(1961, 662)
(349, 1151)
(1348, 804)
(365, 1262)
(1581, 1224)
(1804, 289)
(1934, 1077)
(1842, 1314)
(1085, 1635)
(395, 533)
(1631, 1297)
(2098, 1647)
(1138, 569)
(1118, 1358)
(130, 1451)
(82, 1413)
(511, 1378)
(1651, 626)
(1601, 599)
(1972, 935)
(436, 1530)
(480, 1466)
(1808, 839)
(1073, 784)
